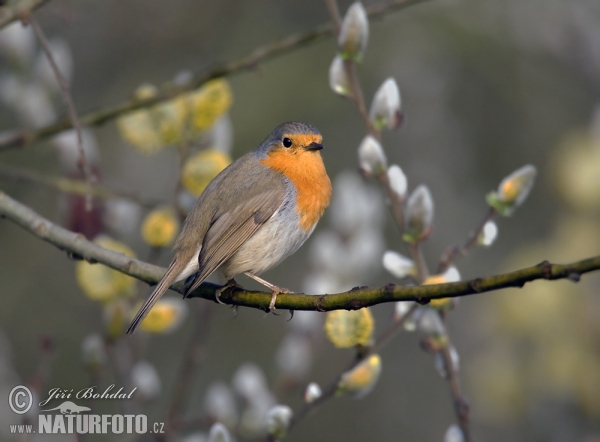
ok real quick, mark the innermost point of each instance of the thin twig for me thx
(461, 405)
(18, 10)
(68, 99)
(193, 357)
(168, 90)
(73, 186)
(453, 254)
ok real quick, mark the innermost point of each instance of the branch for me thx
(18, 10)
(77, 246)
(169, 90)
(66, 94)
(74, 186)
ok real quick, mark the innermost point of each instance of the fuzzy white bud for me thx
(312, 393)
(371, 156)
(488, 234)
(513, 190)
(398, 181)
(354, 34)
(419, 214)
(454, 434)
(385, 108)
(278, 420)
(219, 433)
(398, 265)
(338, 77)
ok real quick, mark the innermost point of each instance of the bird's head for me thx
(291, 139)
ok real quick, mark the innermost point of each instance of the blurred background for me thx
(486, 88)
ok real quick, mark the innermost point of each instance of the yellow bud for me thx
(201, 168)
(101, 283)
(165, 316)
(160, 227)
(152, 128)
(209, 103)
(347, 328)
(361, 380)
(450, 275)
(115, 313)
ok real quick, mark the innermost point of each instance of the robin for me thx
(256, 212)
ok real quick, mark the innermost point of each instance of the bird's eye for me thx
(287, 142)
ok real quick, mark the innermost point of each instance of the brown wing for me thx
(229, 230)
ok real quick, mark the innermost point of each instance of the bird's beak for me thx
(314, 146)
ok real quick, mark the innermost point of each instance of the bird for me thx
(256, 212)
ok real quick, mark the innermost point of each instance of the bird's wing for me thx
(230, 229)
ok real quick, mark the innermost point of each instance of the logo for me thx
(71, 418)
(69, 407)
(20, 399)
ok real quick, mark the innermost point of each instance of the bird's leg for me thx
(275, 289)
(229, 284)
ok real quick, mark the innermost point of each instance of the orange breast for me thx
(305, 169)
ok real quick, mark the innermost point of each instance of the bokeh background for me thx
(486, 87)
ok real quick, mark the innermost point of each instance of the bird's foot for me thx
(276, 290)
(230, 284)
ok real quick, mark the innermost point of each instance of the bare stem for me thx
(453, 254)
(68, 99)
(461, 405)
(18, 10)
(73, 186)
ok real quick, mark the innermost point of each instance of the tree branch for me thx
(80, 248)
(18, 10)
(169, 90)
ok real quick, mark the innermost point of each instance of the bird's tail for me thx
(169, 277)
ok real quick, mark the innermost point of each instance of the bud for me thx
(294, 356)
(338, 77)
(94, 353)
(312, 393)
(398, 265)
(354, 34)
(219, 433)
(371, 156)
(209, 103)
(385, 108)
(145, 377)
(201, 168)
(347, 328)
(450, 275)
(166, 315)
(398, 181)
(430, 324)
(513, 190)
(360, 380)
(440, 362)
(454, 434)
(419, 215)
(278, 420)
(488, 235)
(101, 283)
(18, 43)
(249, 381)
(410, 323)
(115, 314)
(219, 403)
(160, 227)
